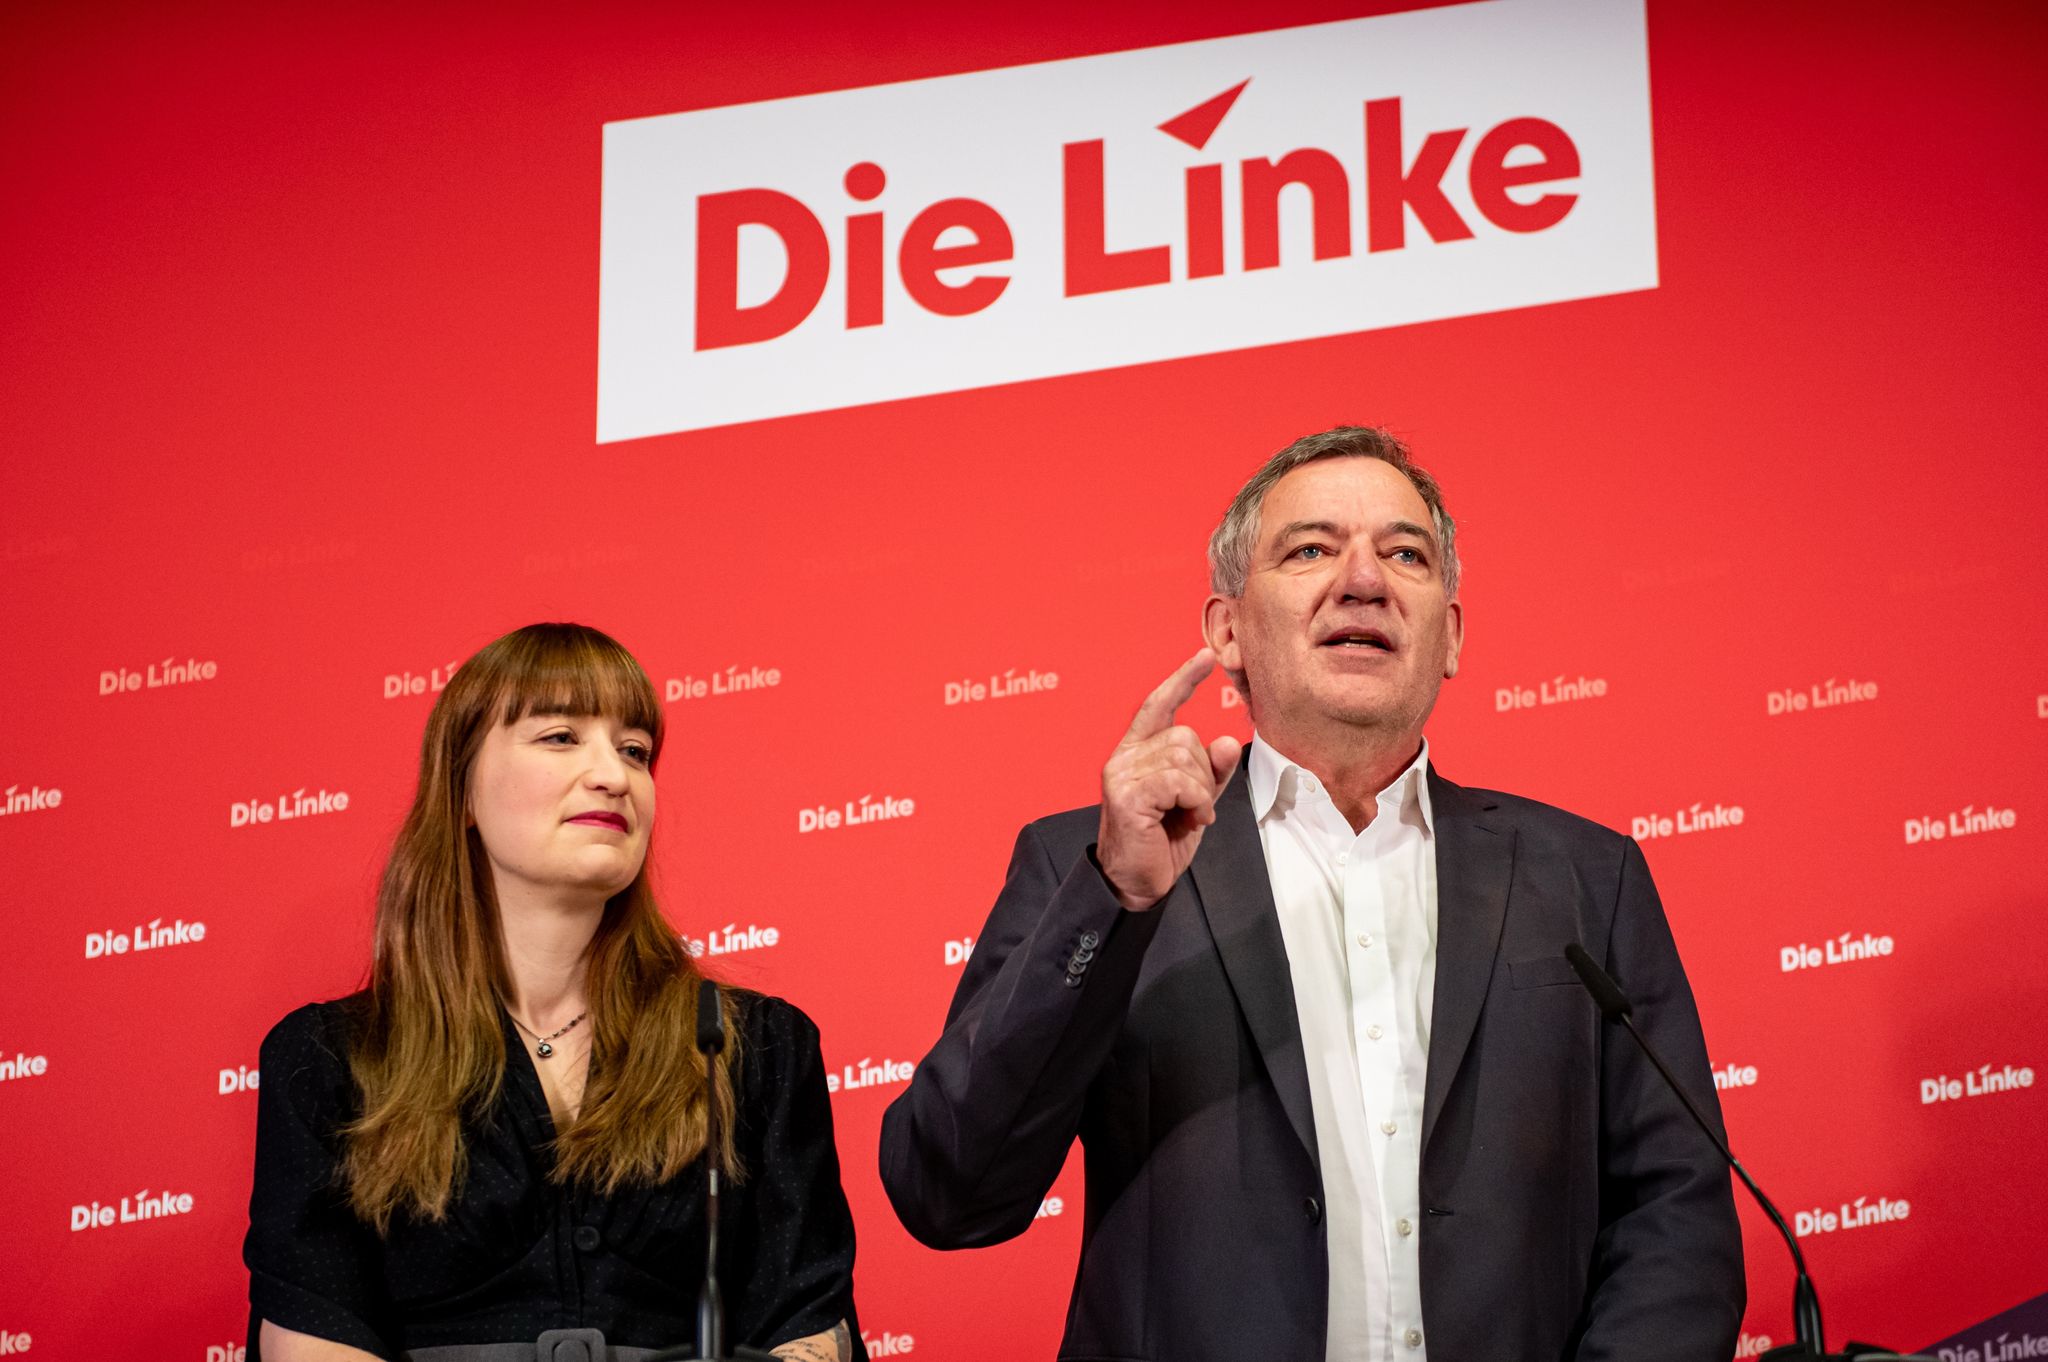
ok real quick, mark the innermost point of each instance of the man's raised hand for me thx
(1159, 791)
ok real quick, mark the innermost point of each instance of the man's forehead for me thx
(1355, 493)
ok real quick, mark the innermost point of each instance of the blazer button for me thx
(588, 1239)
(1313, 1209)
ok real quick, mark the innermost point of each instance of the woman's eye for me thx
(638, 752)
(561, 738)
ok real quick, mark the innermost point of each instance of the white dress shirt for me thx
(1358, 916)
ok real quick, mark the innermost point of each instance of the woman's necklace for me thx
(542, 1046)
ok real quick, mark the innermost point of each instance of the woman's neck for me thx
(547, 942)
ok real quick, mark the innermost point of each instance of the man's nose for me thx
(1361, 575)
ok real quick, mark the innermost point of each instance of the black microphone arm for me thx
(1614, 1006)
(711, 1042)
(710, 1343)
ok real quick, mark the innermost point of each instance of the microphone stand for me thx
(710, 1345)
(1806, 1321)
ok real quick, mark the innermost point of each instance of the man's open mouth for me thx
(1359, 638)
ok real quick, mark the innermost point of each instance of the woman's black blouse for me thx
(519, 1254)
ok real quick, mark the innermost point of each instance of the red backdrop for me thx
(300, 340)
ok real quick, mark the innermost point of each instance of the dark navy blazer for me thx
(1571, 1208)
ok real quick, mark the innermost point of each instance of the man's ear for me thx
(1454, 637)
(1219, 631)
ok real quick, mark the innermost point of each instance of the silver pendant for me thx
(546, 1050)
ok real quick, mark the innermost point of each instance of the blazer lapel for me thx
(1231, 884)
(1475, 859)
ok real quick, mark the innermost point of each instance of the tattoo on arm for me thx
(834, 1345)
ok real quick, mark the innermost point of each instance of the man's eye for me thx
(1409, 555)
(1310, 552)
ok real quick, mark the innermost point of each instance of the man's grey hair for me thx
(1230, 548)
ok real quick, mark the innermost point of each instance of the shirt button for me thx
(1373, 1032)
(588, 1239)
(1413, 1338)
(1313, 1209)
(1404, 1226)
(1388, 1127)
(1365, 938)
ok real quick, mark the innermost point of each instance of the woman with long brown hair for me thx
(503, 1136)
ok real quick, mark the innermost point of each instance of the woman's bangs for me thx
(582, 674)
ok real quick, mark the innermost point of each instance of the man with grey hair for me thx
(1306, 1008)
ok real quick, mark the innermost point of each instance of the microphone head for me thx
(1613, 1003)
(710, 1018)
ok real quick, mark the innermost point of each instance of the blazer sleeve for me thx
(971, 1147)
(1667, 1277)
(312, 1265)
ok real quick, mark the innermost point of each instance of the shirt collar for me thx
(1276, 782)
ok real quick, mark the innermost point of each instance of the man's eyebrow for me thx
(1295, 527)
(1410, 527)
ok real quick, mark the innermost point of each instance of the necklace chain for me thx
(542, 1045)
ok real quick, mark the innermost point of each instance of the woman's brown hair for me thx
(428, 1048)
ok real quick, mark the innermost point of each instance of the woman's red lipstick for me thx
(601, 819)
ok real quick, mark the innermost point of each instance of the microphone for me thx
(710, 1020)
(1614, 1006)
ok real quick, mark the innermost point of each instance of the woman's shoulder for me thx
(306, 1053)
(773, 1022)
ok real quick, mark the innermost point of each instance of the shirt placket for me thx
(1372, 1012)
(1400, 1171)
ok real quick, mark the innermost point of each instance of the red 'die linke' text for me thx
(953, 236)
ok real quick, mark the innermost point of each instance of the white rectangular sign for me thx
(837, 249)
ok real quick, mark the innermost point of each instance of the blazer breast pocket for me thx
(1542, 971)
